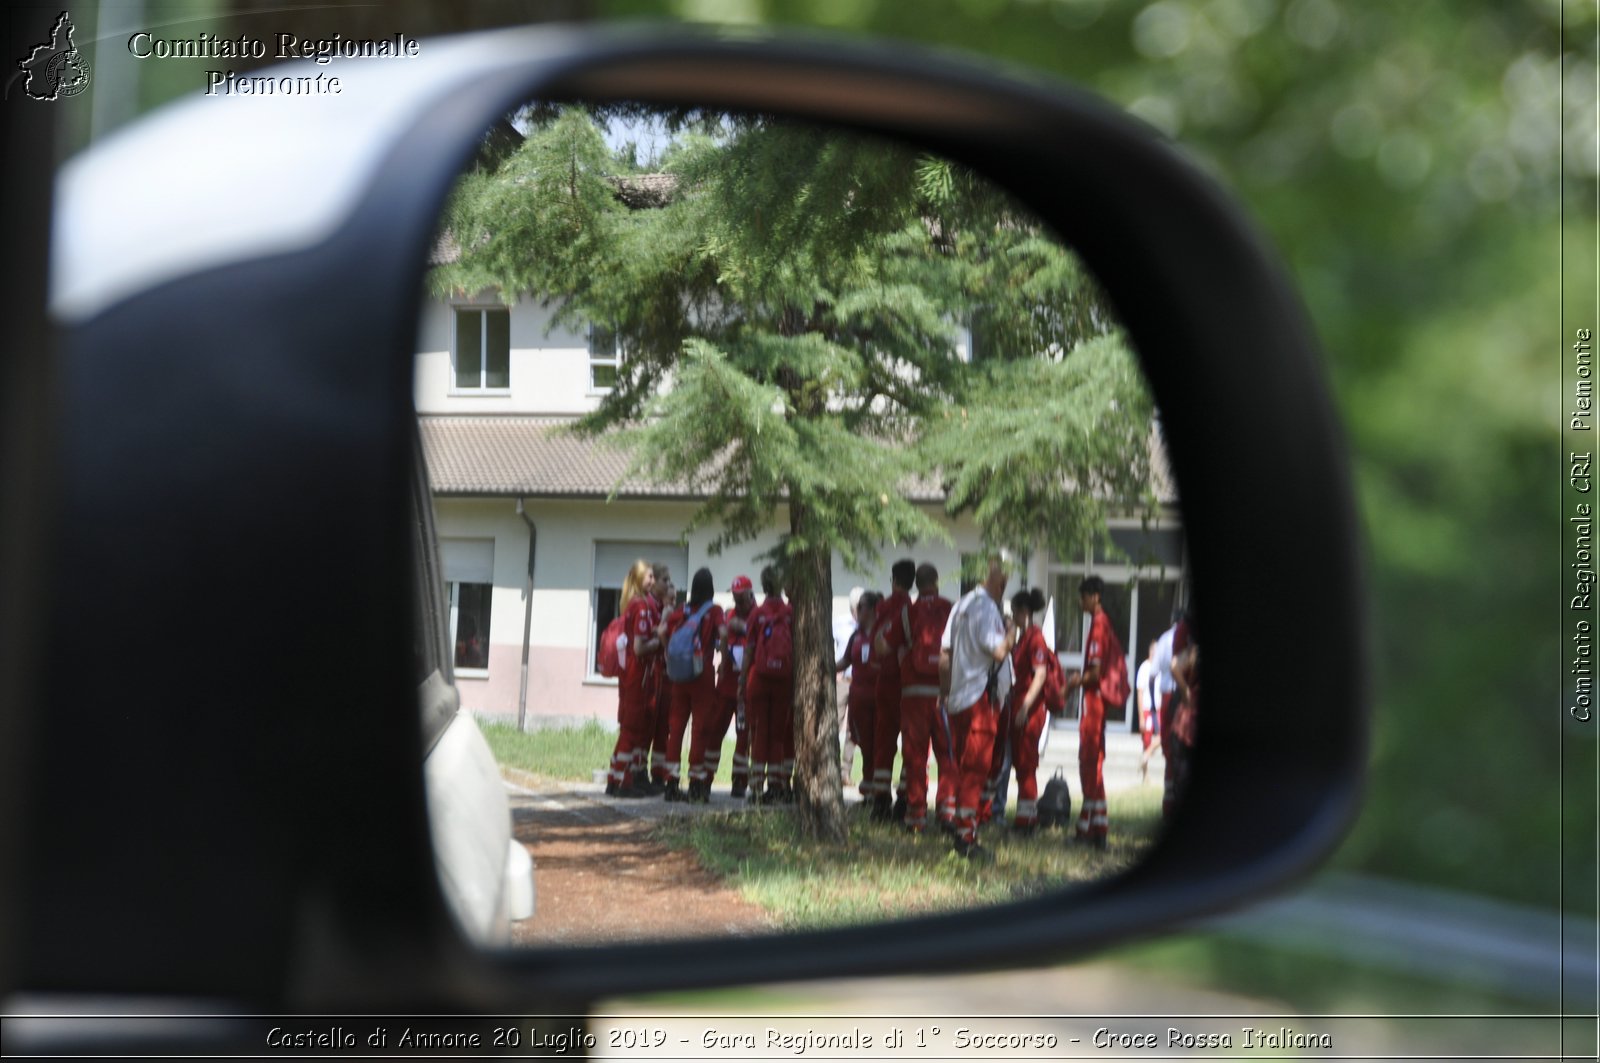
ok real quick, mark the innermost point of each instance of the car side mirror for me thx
(237, 285)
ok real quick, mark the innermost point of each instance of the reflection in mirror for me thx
(804, 525)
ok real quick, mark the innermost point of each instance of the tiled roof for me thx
(534, 457)
(527, 456)
(641, 191)
(445, 249)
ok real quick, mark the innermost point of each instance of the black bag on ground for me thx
(1055, 804)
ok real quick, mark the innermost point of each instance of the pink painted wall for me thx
(556, 685)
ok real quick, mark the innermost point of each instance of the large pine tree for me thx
(791, 319)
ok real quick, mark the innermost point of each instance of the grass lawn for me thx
(884, 873)
(881, 873)
(575, 753)
(571, 753)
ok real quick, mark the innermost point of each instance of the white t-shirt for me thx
(1166, 684)
(1148, 684)
(972, 634)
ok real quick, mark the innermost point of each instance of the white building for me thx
(534, 553)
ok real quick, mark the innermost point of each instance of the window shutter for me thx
(467, 560)
(613, 559)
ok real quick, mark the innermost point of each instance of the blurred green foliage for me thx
(1408, 161)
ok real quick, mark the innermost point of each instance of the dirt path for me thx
(599, 878)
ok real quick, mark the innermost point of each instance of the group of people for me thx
(961, 679)
(975, 686)
(955, 680)
(735, 667)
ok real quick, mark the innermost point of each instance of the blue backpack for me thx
(685, 661)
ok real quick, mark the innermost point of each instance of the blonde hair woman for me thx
(635, 583)
(636, 690)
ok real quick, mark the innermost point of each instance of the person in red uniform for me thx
(666, 595)
(695, 699)
(920, 719)
(1099, 652)
(1169, 705)
(768, 699)
(974, 641)
(636, 690)
(862, 702)
(705, 748)
(1186, 705)
(1025, 715)
(890, 633)
(673, 614)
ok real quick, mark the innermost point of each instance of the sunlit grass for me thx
(569, 754)
(885, 873)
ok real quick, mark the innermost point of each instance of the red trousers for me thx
(656, 745)
(689, 701)
(710, 727)
(1003, 738)
(923, 726)
(769, 711)
(944, 755)
(1091, 766)
(972, 736)
(860, 717)
(741, 746)
(885, 737)
(636, 717)
(1025, 761)
(919, 711)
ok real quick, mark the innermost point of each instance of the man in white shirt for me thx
(975, 640)
(1147, 686)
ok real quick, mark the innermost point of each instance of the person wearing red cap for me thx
(705, 747)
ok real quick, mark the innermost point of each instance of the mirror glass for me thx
(853, 421)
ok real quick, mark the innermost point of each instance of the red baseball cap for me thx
(741, 584)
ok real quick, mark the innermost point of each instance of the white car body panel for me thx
(487, 876)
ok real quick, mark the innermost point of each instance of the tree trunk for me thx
(816, 710)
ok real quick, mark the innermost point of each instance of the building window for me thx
(1071, 623)
(611, 563)
(469, 623)
(483, 348)
(1158, 548)
(468, 566)
(605, 359)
